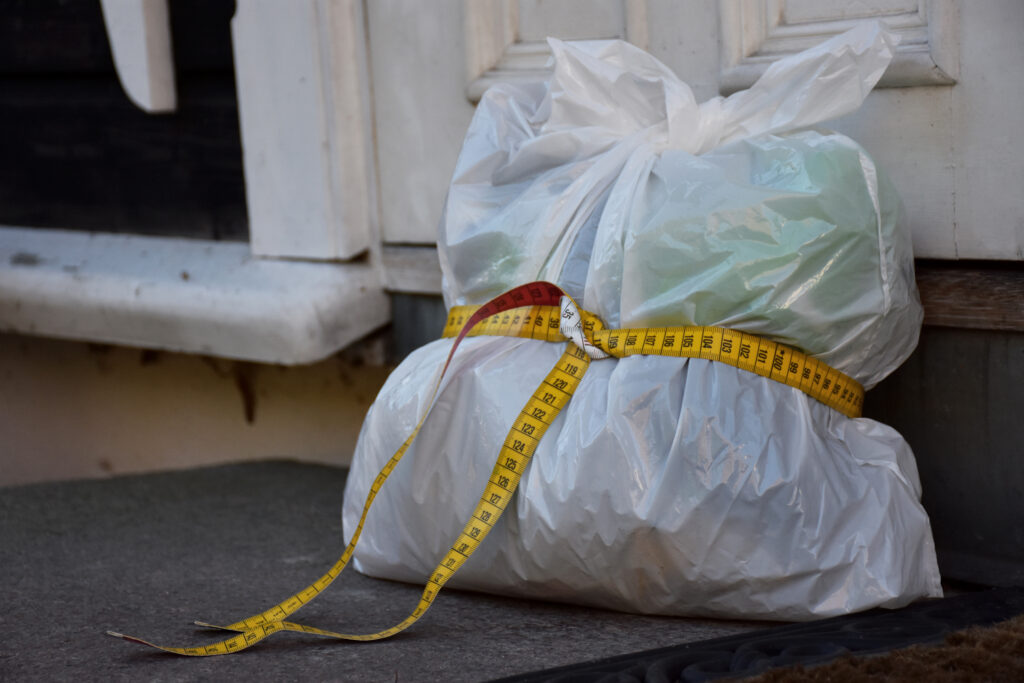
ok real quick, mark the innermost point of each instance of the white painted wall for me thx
(73, 410)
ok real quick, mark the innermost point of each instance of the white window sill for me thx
(184, 295)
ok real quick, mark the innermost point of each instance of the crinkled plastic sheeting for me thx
(668, 485)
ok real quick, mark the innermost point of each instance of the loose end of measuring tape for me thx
(236, 643)
(130, 639)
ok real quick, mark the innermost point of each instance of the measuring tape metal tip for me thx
(130, 639)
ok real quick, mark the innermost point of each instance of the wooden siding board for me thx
(972, 296)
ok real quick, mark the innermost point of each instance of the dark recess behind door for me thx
(75, 153)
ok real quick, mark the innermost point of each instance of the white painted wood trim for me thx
(303, 94)
(636, 23)
(411, 270)
(195, 296)
(753, 36)
(490, 27)
(140, 41)
(493, 54)
(521, 62)
(943, 36)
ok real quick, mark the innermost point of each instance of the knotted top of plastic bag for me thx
(619, 89)
(558, 181)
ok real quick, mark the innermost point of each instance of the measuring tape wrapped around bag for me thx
(541, 311)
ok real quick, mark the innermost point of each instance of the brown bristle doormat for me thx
(995, 653)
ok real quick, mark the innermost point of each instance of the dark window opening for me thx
(77, 154)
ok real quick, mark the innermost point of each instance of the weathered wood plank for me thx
(973, 296)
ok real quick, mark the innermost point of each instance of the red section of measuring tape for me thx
(533, 294)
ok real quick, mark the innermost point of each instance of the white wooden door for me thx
(943, 122)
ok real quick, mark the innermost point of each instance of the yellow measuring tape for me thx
(739, 349)
(538, 310)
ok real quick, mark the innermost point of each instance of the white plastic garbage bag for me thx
(667, 485)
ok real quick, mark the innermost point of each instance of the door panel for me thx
(417, 55)
(942, 122)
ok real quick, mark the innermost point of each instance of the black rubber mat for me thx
(808, 643)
